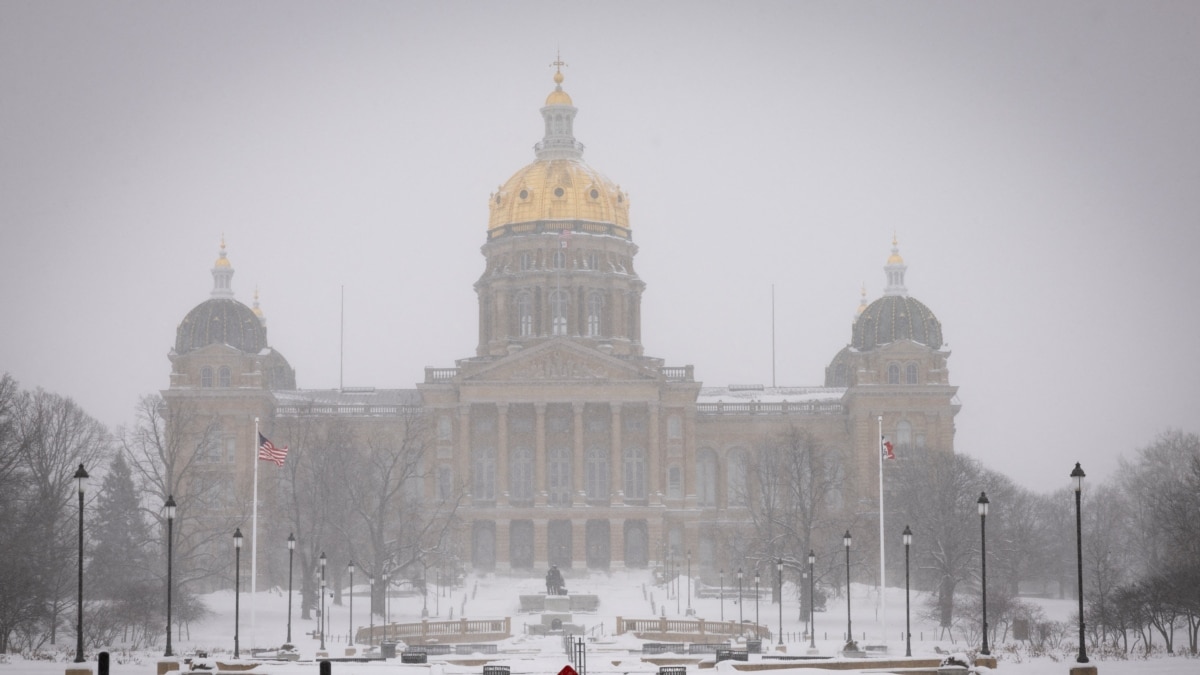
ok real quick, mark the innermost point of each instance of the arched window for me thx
(560, 259)
(520, 468)
(595, 473)
(635, 473)
(910, 373)
(525, 313)
(706, 477)
(484, 475)
(840, 377)
(224, 377)
(206, 379)
(445, 483)
(559, 305)
(526, 261)
(736, 484)
(595, 308)
(893, 373)
(558, 476)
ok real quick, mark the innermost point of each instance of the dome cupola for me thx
(896, 316)
(221, 319)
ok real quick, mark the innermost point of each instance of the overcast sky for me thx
(1039, 163)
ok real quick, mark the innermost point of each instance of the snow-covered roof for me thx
(359, 401)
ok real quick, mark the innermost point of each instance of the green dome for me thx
(221, 321)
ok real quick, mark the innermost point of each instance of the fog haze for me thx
(1039, 165)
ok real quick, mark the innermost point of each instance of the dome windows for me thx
(910, 373)
(524, 194)
(594, 194)
(559, 192)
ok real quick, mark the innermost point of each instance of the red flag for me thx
(887, 448)
(269, 453)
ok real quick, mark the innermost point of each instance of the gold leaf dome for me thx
(560, 190)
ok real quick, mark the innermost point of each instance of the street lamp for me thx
(371, 608)
(756, 579)
(741, 621)
(779, 571)
(812, 601)
(689, 591)
(350, 637)
(170, 505)
(846, 543)
(424, 591)
(983, 509)
(81, 477)
(1078, 474)
(907, 534)
(722, 593)
(237, 586)
(291, 554)
(321, 562)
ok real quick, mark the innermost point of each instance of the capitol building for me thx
(561, 441)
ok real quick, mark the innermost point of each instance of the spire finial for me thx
(222, 273)
(558, 66)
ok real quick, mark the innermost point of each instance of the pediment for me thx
(560, 360)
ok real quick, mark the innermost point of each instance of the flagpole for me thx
(254, 541)
(882, 560)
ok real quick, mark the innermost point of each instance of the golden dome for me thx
(894, 258)
(558, 189)
(222, 261)
(558, 97)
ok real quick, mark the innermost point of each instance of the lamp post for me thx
(741, 621)
(983, 510)
(237, 587)
(371, 607)
(779, 572)
(1078, 474)
(81, 477)
(170, 506)
(846, 543)
(350, 638)
(756, 579)
(722, 593)
(321, 562)
(689, 591)
(907, 534)
(291, 543)
(812, 601)
(424, 591)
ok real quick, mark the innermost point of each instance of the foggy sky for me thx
(1039, 163)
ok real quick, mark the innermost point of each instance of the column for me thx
(654, 460)
(462, 464)
(539, 467)
(503, 556)
(502, 457)
(577, 462)
(615, 461)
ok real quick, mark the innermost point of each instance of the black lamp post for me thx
(321, 562)
(722, 592)
(350, 637)
(170, 506)
(907, 534)
(779, 572)
(689, 591)
(756, 580)
(424, 591)
(291, 554)
(237, 587)
(1077, 474)
(371, 607)
(741, 621)
(812, 601)
(983, 510)
(81, 477)
(846, 543)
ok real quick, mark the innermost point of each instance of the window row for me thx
(224, 377)
(559, 485)
(559, 308)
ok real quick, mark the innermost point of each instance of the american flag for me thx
(886, 447)
(268, 452)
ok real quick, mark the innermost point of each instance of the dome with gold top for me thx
(558, 190)
(896, 316)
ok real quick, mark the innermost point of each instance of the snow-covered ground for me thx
(625, 594)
